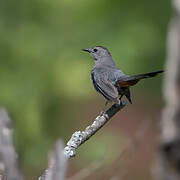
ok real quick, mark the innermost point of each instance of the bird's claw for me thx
(102, 113)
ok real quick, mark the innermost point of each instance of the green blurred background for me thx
(45, 77)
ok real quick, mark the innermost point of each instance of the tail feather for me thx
(146, 75)
(132, 80)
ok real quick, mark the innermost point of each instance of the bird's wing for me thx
(105, 87)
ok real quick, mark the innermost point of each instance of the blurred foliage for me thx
(105, 153)
(44, 74)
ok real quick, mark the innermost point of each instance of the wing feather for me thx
(105, 87)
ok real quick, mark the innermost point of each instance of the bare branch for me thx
(79, 137)
(9, 158)
(58, 160)
(57, 164)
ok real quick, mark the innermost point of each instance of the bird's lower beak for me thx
(87, 50)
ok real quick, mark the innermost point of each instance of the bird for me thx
(109, 80)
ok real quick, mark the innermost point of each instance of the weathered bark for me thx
(9, 158)
(57, 164)
(79, 137)
(168, 167)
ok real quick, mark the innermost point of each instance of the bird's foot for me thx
(123, 102)
(102, 113)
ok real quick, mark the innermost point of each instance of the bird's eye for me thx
(95, 50)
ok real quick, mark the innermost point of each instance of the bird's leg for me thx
(103, 110)
(120, 98)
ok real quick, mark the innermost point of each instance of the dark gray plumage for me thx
(108, 79)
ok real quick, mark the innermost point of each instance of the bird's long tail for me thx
(132, 80)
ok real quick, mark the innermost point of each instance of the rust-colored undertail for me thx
(132, 80)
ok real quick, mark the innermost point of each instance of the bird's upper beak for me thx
(86, 50)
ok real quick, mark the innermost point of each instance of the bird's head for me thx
(98, 52)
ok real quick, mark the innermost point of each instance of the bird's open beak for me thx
(87, 50)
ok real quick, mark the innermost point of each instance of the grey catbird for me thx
(108, 79)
